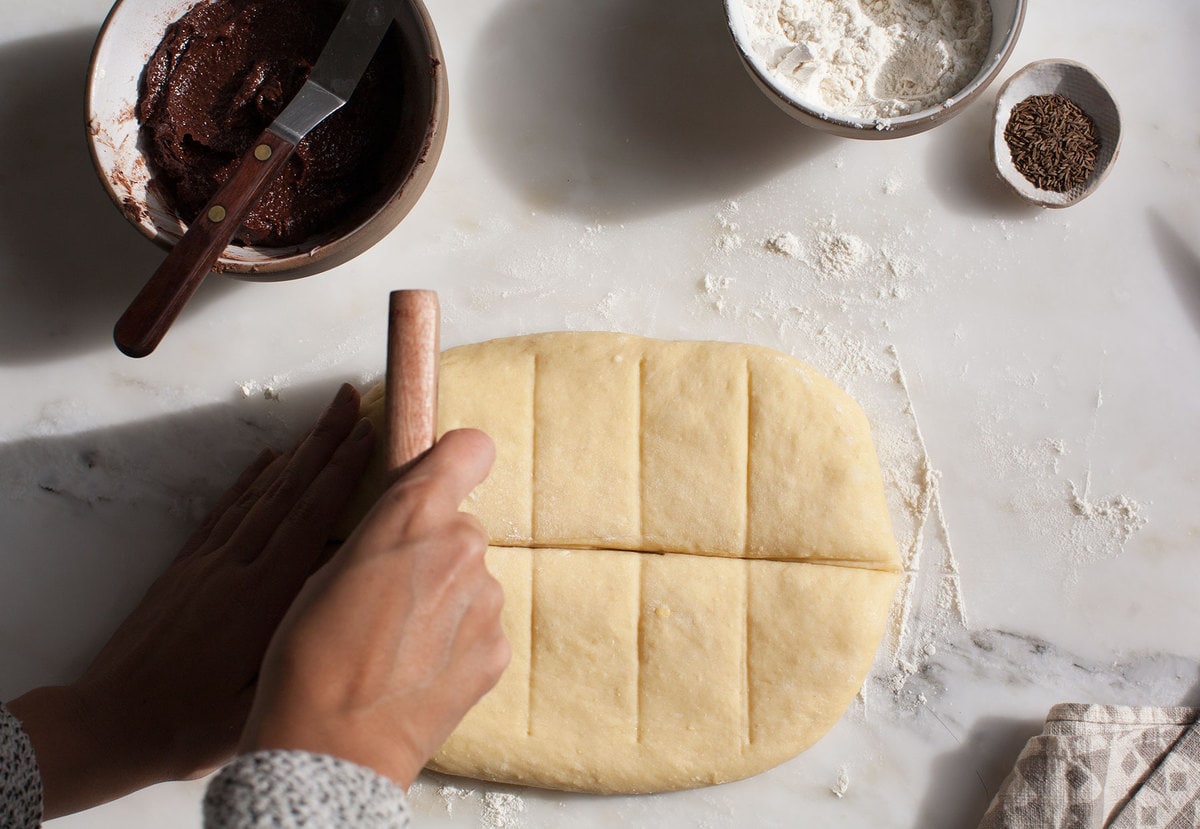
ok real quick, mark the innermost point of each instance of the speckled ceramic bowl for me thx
(1007, 18)
(1084, 87)
(131, 33)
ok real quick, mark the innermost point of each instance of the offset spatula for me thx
(332, 82)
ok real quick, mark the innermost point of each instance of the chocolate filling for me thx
(222, 73)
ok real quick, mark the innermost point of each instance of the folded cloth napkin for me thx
(1105, 767)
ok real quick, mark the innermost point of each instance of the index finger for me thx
(305, 462)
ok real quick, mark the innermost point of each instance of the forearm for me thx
(46, 730)
(78, 769)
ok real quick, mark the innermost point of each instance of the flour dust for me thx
(868, 59)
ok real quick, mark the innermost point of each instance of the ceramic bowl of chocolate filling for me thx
(178, 89)
(1057, 132)
(874, 68)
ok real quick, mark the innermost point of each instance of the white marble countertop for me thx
(1033, 377)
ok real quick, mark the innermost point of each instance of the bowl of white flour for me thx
(874, 68)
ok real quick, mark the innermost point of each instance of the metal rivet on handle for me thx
(262, 152)
(216, 214)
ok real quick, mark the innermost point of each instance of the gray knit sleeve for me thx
(20, 782)
(294, 789)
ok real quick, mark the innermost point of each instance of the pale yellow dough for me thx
(695, 552)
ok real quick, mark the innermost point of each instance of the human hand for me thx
(167, 697)
(391, 643)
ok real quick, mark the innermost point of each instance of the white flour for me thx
(496, 810)
(842, 785)
(869, 59)
(931, 598)
(501, 810)
(1102, 527)
(840, 254)
(785, 244)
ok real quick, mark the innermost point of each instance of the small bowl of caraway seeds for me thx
(1057, 132)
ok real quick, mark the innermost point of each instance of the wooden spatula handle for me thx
(414, 322)
(146, 320)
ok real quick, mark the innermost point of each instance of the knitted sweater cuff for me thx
(20, 781)
(293, 789)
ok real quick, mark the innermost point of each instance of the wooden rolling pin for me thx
(410, 402)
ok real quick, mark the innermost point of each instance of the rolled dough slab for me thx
(695, 551)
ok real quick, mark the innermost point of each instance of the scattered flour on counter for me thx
(450, 794)
(530, 285)
(497, 810)
(317, 369)
(900, 271)
(1057, 447)
(819, 264)
(502, 810)
(839, 254)
(842, 785)
(869, 59)
(1100, 528)
(785, 244)
(931, 601)
(729, 238)
(1057, 510)
(714, 292)
(268, 390)
(606, 305)
(848, 357)
(729, 241)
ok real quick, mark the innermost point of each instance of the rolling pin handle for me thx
(412, 377)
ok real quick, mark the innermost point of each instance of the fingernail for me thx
(340, 400)
(344, 395)
(361, 429)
